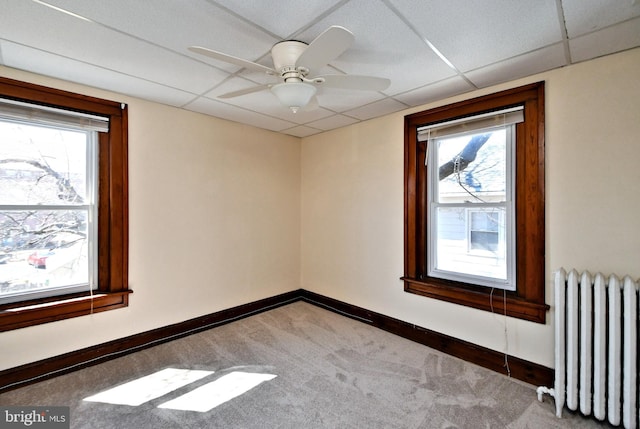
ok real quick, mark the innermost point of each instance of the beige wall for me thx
(215, 214)
(214, 223)
(352, 204)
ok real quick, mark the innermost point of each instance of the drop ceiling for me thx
(428, 49)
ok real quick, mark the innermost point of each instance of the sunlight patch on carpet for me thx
(149, 387)
(217, 392)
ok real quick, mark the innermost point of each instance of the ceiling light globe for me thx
(294, 95)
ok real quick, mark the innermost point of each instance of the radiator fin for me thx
(596, 346)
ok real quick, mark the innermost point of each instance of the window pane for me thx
(484, 230)
(472, 168)
(45, 232)
(478, 253)
(42, 250)
(42, 165)
(484, 240)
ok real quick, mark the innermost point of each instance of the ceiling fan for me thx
(296, 64)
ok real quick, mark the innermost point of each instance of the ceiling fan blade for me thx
(245, 91)
(352, 81)
(325, 48)
(231, 59)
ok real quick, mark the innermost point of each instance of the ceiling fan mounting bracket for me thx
(298, 74)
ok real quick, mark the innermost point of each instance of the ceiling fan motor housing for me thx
(285, 54)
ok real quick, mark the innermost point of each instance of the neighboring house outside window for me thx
(474, 202)
(486, 232)
(63, 205)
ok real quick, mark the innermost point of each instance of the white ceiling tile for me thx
(521, 66)
(39, 27)
(301, 131)
(177, 25)
(332, 122)
(33, 60)
(258, 77)
(233, 83)
(585, 16)
(606, 41)
(437, 91)
(383, 47)
(282, 17)
(259, 101)
(306, 114)
(472, 34)
(237, 114)
(379, 108)
(340, 100)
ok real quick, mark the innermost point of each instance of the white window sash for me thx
(509, 205)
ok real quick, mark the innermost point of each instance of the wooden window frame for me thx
(528, 300)
(113, 230)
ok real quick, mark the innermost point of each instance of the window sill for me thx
(480, 298)
(43, 312)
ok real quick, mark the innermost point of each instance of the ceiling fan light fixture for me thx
(297, 63)
(294, 95)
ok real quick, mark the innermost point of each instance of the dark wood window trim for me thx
(113, 230)
(528, 301)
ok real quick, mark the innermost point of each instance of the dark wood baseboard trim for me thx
(521, 369)
(23, 375)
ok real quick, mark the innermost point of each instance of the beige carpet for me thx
(330, 372)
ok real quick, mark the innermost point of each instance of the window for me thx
(474, 203)
(63, 205)
(470, 193)
(48, 206)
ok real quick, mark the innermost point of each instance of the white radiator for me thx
(596, 347)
